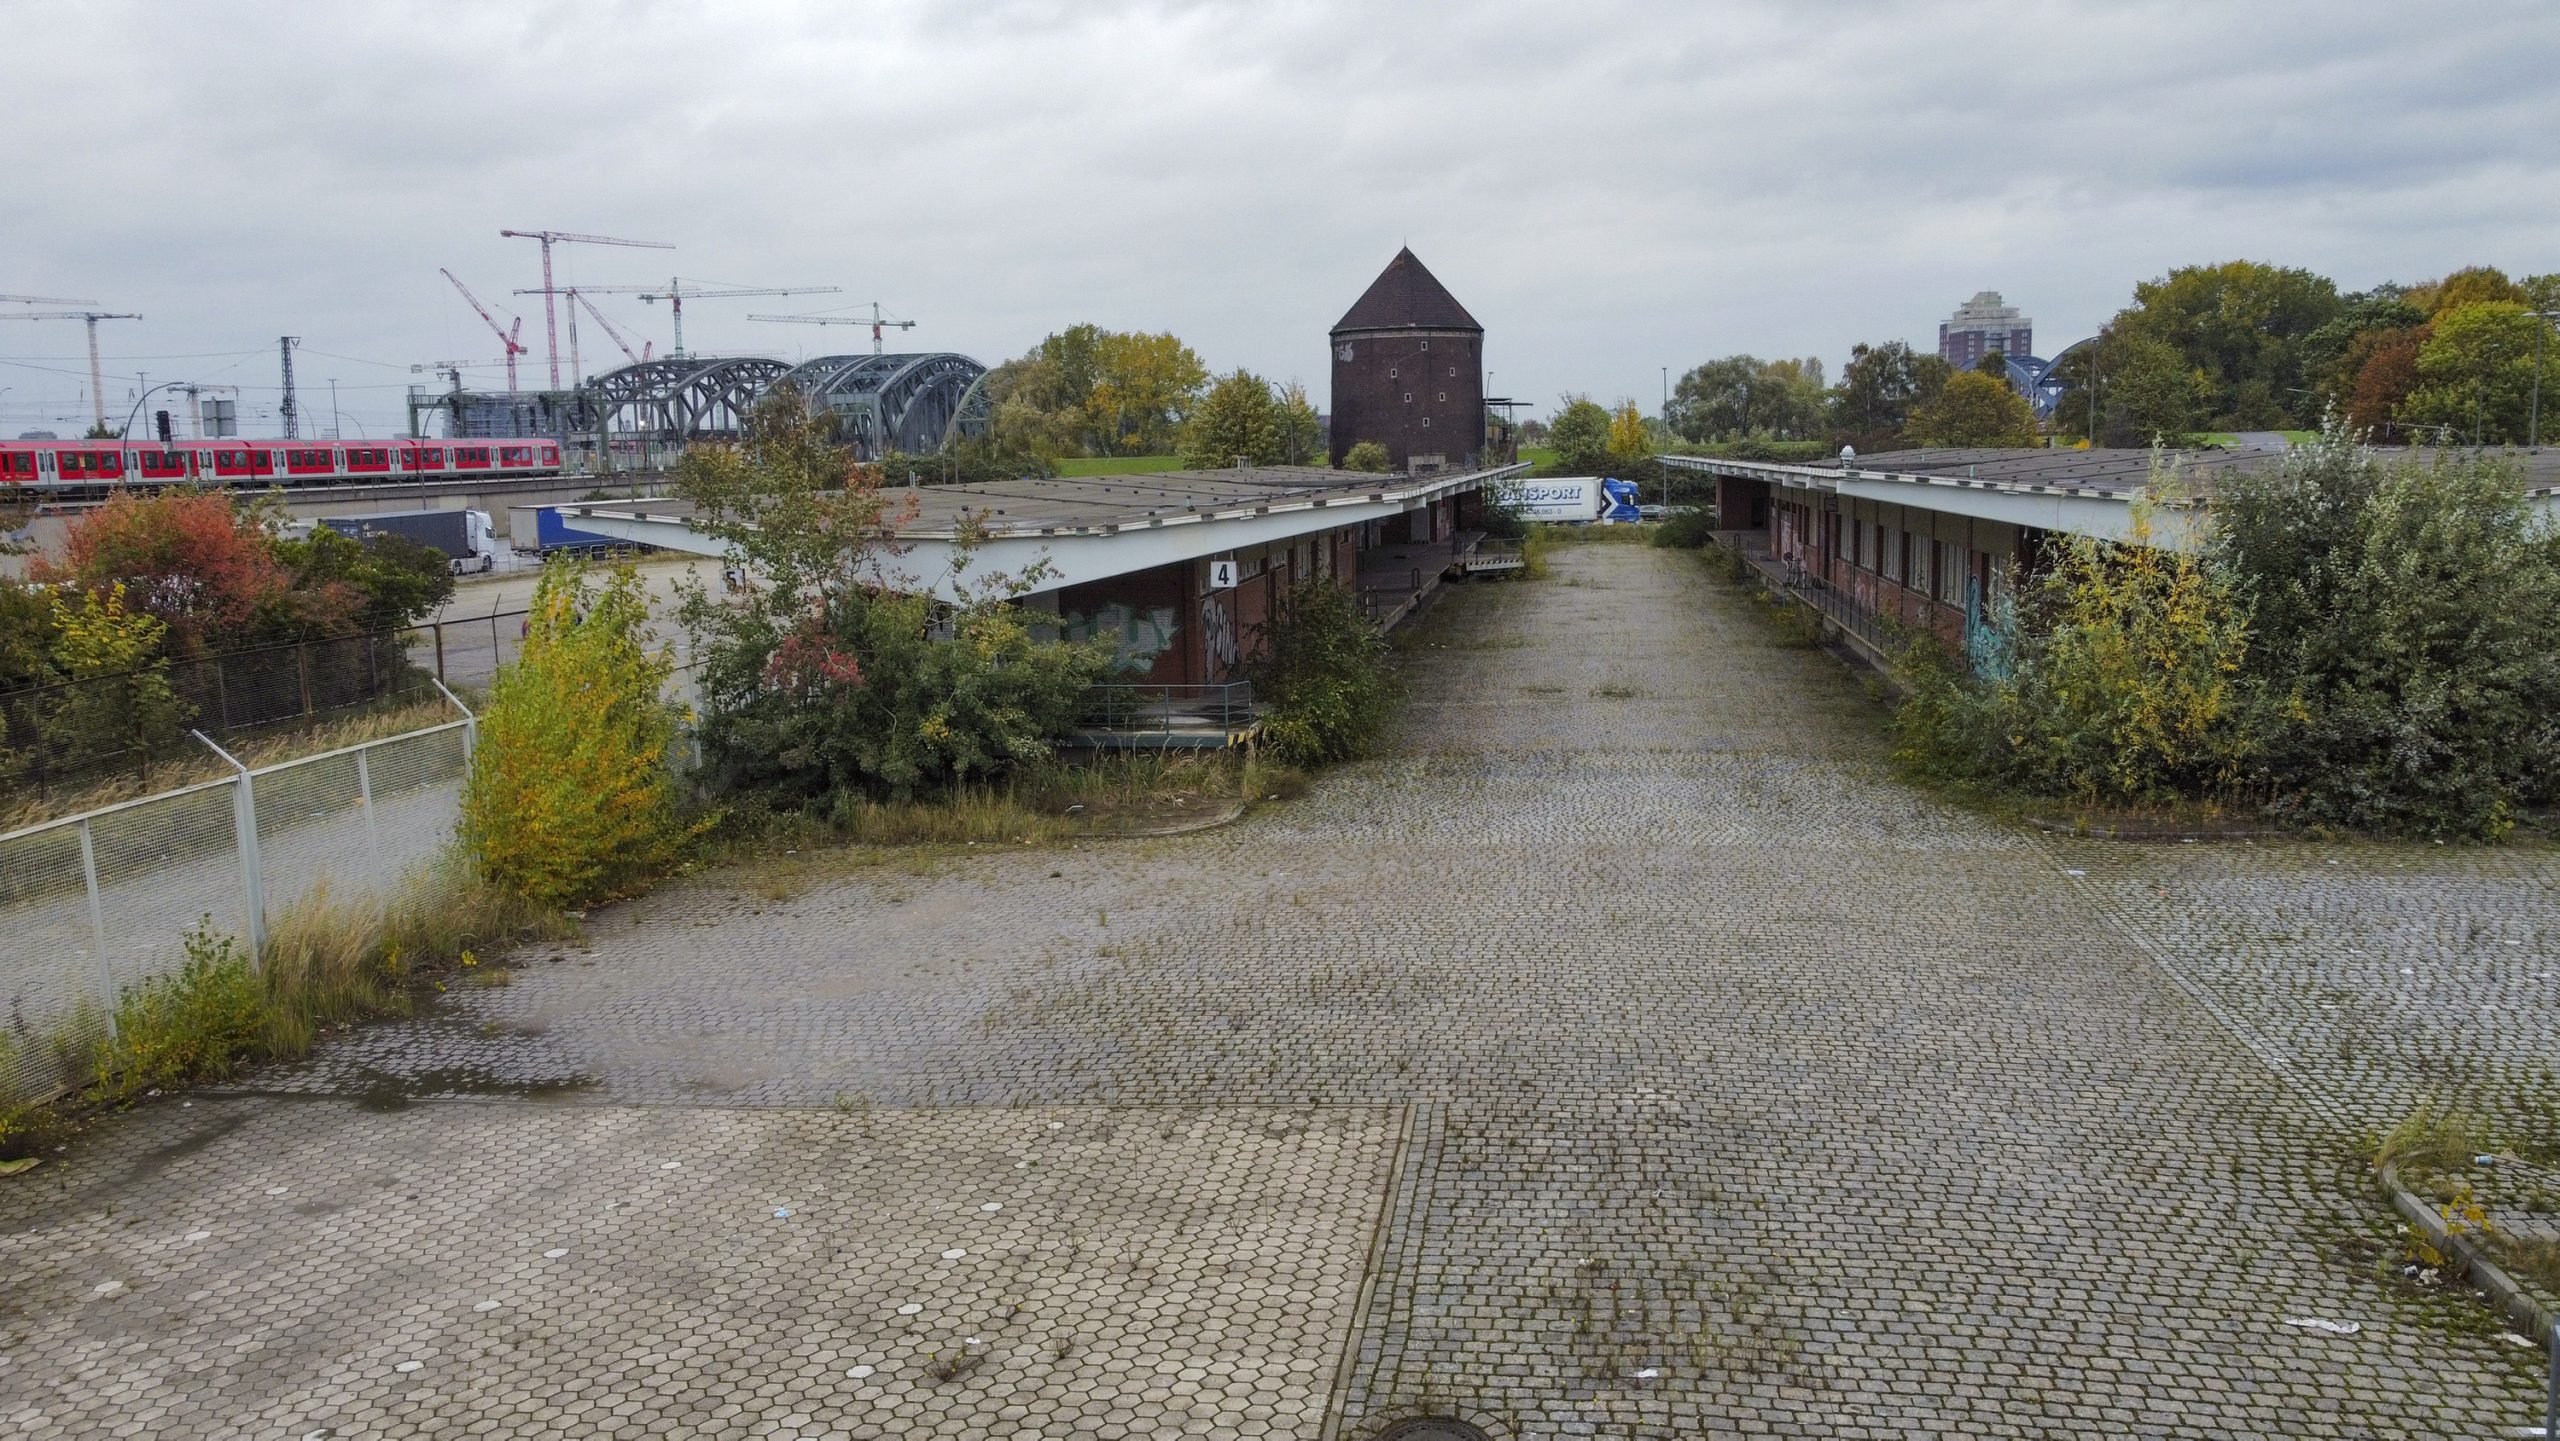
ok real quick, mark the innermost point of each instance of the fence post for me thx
(302, 664)
(439, 625)
(98, 928)
(244, 823)
(364, 794)
(470, 725)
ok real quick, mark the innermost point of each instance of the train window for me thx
(431, 456)
(258, 458)
(516, 455)
(17, 464)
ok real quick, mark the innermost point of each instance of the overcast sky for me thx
(1609, 187)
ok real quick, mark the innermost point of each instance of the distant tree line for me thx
(2235, 346)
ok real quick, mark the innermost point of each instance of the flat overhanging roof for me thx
(1106, 504)
(2082, 492)
(1085, 528)
(2095, 474)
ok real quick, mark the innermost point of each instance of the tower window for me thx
(1426, 345)
(1391, 372)
(1453, 372)
(1444, 395)
(1426, 422)
(1408, 397)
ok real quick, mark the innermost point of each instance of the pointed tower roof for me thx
(1405, 296)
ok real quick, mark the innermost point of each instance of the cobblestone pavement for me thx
(1735, 1087)
(247, 1267)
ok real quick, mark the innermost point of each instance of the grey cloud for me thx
(1611, 186)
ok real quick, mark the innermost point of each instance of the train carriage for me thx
(69, 468)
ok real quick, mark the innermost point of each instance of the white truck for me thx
(463, 535)
(1571, 499)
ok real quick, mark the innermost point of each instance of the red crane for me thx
(506, 338)
(550, 317)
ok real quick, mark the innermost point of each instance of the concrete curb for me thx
(2135, 835)
(2540, 1322)
(1228, 816)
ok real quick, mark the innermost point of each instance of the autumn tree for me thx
(2475, 372)
(1097, 392)
(570, 796)
(208, 574)
(1302, 439)
(1742, 396)
(1237, 420)
(1580, 435)
(1629, 437)
(2386, 371)
(1144, 389)
(2238, 325)
(1879, 388)
(1975, 409)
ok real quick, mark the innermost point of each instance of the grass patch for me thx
(1638, 532)
(327, 962)
(1118, 464)
(2435, 1137)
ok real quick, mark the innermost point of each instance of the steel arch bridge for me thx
(680, 400)
(912, 403)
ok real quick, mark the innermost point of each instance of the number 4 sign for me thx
(1222, 575)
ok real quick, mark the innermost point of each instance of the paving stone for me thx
(1628, 1008)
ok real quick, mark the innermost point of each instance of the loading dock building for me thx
(1934, 539)
(1179, 569)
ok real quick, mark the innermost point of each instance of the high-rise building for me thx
(1982, 325)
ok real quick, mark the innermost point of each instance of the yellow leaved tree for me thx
(570, 797)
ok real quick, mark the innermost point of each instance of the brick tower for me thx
(1408, 372)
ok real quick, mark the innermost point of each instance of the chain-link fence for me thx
(83, 742)
(94, 904)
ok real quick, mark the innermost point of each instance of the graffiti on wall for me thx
(1218, 632)
(1137, 636)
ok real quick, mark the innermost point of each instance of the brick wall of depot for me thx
(1175, 630)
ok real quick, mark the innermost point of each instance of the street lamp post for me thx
(131, 415)
(2533, 425)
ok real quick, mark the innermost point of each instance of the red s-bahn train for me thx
(83, 466)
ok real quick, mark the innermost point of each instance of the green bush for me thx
(1690, 528)
(1323, 671)
(198, 1024)
(2120, 684)
(570, 796)
(832, 691)
(2407, 637)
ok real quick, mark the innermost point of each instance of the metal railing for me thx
(1166, 709)
(99, 903)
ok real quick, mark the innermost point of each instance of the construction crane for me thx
(676, 294)
(576, 298)
(550, 320)
(42, 300)
(877, 322)
(647, 347)
(506, 338)
(97, 382)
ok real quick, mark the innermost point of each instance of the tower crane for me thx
(42, 300)
(550, 320)
(678, 290)
(506, 338)
(877, 322)
(647, 347)
(97, 383)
